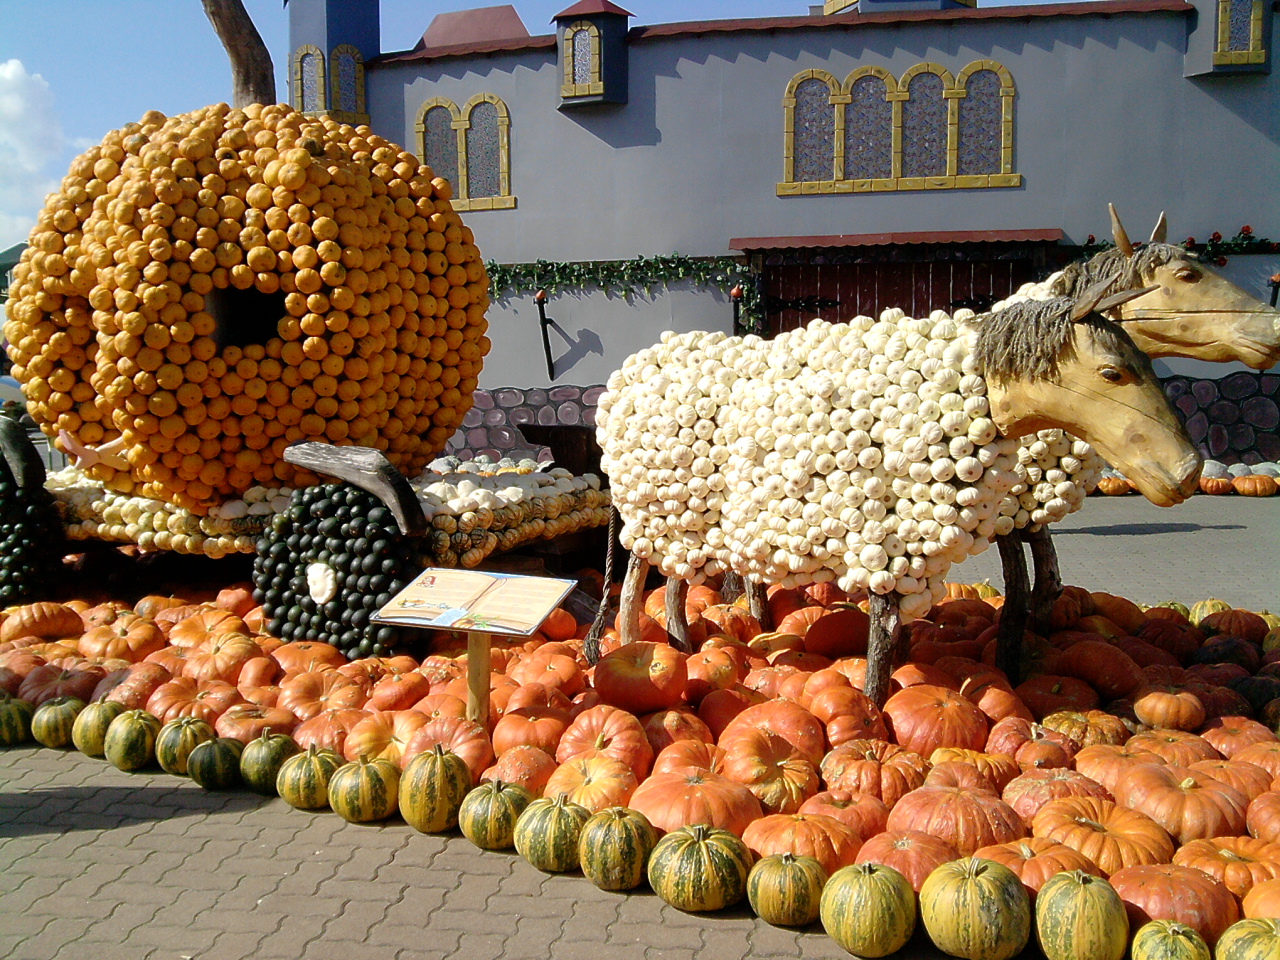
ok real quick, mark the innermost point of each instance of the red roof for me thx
(840, 21)
(471, 27)
(586, 7)
(887, 239)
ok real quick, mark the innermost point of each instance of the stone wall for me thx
(1234, 420)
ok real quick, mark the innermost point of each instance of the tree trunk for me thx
(1048, 583)
(252, 73)
(1013, 615)
(886, 623)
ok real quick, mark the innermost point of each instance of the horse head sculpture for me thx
(1191, 311)
(1062, 364)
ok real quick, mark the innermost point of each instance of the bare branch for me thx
(252, 73)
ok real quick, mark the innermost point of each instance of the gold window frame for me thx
(897, 92)
(595, 85)
(322, 91)
(360, 114)
(461, 123)
(1224, 55)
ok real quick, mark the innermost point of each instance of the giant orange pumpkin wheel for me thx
(229, 281)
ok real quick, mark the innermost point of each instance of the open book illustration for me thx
(474, 600)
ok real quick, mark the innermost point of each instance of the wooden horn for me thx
(1113, 301)
(1161, 231)
(1123, 244)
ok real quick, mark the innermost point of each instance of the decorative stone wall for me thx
(1233, 420)
(490, 427)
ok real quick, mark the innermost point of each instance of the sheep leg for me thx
(758, 602)
(885, 625)
(732, 586)
(1048, 582)
(630, 602)
(1013, 615)
(677, 622)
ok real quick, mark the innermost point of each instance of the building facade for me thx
(914, 153)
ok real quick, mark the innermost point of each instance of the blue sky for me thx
(71, 70)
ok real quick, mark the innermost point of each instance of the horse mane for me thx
(1031, 339)
(1121, 272)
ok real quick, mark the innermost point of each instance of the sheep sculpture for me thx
(873, 453)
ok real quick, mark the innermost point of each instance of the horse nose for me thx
(1189, 474)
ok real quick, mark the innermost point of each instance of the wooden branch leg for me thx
(731, 587)
(677, 622)
(1048, 582)
(630, 602)
(1013, 615)
(758, 599)
(885, 625)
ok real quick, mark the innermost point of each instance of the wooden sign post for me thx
(478, 604)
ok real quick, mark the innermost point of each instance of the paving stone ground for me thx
(96, 864)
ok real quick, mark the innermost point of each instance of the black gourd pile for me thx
(31, 537)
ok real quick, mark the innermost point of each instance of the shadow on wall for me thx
(587, 342)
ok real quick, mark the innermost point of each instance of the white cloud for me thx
(31, 143)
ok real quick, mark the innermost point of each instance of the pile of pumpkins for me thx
(1126, 796)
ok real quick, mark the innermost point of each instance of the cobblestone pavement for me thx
(96, 864)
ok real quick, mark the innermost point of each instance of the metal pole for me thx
(541, 299)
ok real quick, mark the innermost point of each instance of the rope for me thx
(591, 645)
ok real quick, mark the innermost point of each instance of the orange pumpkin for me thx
(125, 637)
(771, 766)
(383, 734)
(187, 697)
(1108, 764)
(43, 619)
(1110, 835)
(1250, 780)
(1035, 859)
(827, 840)
(525, 766)
(864, 814)
(606, 729)
(329, 728)
(913, 854)
(876, 767)
(926, 717)
(248, 721)
(1240, 863)
(689, 755)
(965, 820)
(1169, 707)
(539, 727)
(1188, 804)
(789, 721)
(221, 657)
(1230, 735)
(1028, 792)
(593, 781)
(306, 695)
(207, 624)
(665, 727)
(1171, 892)
(464, 738)
(1265, 754)
(681, 799)
(1175, 746)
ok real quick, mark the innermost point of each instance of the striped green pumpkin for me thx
(262, 758)
(89, 732)
(1081, 917)
(1250, 940)
(546, 834)
(869, 909)
(365, 790)
(130, 742)
(303, 780)
(15, 721)
(215, 764)
(432, 787)
(977, 909)
(177, 739)
(1168, 940)
(700, 868)
(614, 848)
(52, 722)
(785, 890)
(489, 813)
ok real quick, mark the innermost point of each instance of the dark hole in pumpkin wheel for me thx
(243, 317)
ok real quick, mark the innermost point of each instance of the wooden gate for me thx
(796, 293)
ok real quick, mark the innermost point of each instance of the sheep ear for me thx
(1121, 238)
(1113, 301)
(1161, 232)
(1088, 300)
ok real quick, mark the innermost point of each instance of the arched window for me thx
(581, 57)
(471, 148)
(810, 134)
(925, 130)
(308, 80)
(1240, 32)
(438, 123)
(347, 96)
(924, 123)
(868, 125)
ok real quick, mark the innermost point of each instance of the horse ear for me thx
(1121, 238)
(1113, 301)
(1089, 299)
(1161, 231)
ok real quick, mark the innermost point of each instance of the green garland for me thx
(629, 278)
(1216, 249)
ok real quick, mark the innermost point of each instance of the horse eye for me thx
(1111, 374)
(1187, 276)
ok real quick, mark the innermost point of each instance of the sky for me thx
(72, 70)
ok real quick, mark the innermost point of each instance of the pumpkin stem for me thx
(1188, 783)
(699, 832)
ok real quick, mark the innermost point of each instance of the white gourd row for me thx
(861, 453)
